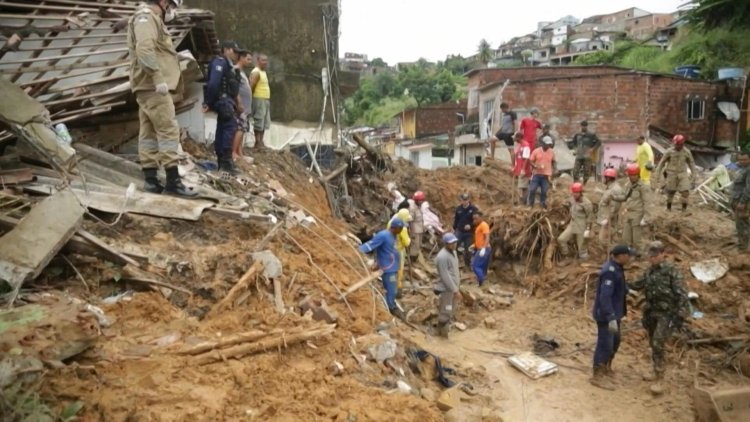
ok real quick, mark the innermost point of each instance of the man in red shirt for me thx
(522, 166)
(544, 165)
(529, 126)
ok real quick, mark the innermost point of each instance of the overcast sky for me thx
(405, 30)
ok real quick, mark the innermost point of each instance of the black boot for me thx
(669, 206)
(226, 165)
(151, 181)
(175, 186)
(684, 207)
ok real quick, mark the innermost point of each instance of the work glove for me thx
(482, 252)
(587, 234)
(643, 222)
(605, 222)
(612, 326)
(162, 88)
(467, 228)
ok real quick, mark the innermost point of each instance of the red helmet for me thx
(610, 172)
(632, 169)
(576, 187)
(419, 196)
(678, 140)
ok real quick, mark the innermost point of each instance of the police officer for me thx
(584, 143)
(637, 199)
(609, 308)
(463, 225)
(609, 209)
(741, 200)
(581, 218)
(676, 161)
(665, 309)
(222, 96)
(154, 75)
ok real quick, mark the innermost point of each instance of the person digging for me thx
(609, 309)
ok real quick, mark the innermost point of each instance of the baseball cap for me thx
(655, 248)
(396, 223)
(227, 44)
(621, 250)
(449, 238)
(547, 140)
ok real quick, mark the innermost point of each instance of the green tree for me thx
(484, 52)
(457, 65)
(378, 62)
(712, 14)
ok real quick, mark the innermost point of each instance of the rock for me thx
(403, 387)
(272, 267)
(318, 310)
(428, 394)
(469, 298)
(657, 389)
(460, 326)
(449, 399)
(383, 351)
(490, 323)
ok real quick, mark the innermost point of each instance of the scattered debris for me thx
(449, 399)
(710, 270)
(383, 351)
(532, 365)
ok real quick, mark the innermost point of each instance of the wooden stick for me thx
(140, 276)
(276, 342)
(714, 340)
(241, 285)
(267, 238)
(678, 244)
(108, 250)
(356, 286)
(277, 299)
(245, 337)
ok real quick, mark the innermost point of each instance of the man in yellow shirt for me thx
(402, 243)
(644, 156)
(261, 100)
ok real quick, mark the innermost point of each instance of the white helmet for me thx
(177, 3)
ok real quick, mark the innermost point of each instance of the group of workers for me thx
(156, 81)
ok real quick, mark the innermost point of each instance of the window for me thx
(414, 158)
(474, 98)
(696, 109)
(488, 108)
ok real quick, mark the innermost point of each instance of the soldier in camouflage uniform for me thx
(665, 309)
(584, 144)
(676, 161)
(741, 201)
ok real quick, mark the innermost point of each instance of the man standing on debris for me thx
(482, 250)
(609, 209)
(543, 165)
(447, 287)
(581, 218)
(546, 132)
(609, 308)
(261, 100)
(154, 75)
(507, 128)
(222, 96)
(402, 243)
(387, 260)
(666, 307)
(529, 127)
(583, 144)
(677, 160)
(644, 156)
(522, 167)
(244, 60)
(637, 199)
(463, 223)
(416, 227)
(741, 200)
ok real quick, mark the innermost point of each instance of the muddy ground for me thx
(135, 373)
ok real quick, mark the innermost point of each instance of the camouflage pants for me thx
(159, 135)
(582, 169)
(742, 222)
(659, 328)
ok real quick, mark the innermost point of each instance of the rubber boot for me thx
(175, 186)
(151, 182)
(227, 165)
(600, 378)
(669, 206)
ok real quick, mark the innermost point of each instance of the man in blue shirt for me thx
(221, 95)
(463, 226)
(383, 244)
(609, 308)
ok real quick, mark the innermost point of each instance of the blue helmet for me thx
(397, 223)
(449, 238)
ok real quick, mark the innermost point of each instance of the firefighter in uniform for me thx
(221, 95)
(154, 75)
(676, 161)
(609, 209)
(581, 218)
(637, 199)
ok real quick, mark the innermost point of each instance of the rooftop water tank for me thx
(690, 71)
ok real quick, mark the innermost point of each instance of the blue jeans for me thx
(465, 239)
(538, 182)
(480, 264)
(225, 131)
(390, 286)
(606, 343)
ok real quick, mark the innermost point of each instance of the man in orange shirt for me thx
(482, 250)
(543, 164)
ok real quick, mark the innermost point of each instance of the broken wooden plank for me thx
(679, 245)
(267, 238)
(278, 300)
(240, 215)
(16, 177)
(356, 286)
(108, 250)
(327, 178)
(227, 341)
(241, 285)
(27, 249)
(138, 275)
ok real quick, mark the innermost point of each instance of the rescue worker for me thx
(584, 144)
(482, 250)
(609, 309)
(522, 167)
(579, 227)
(447, 287)
(609, 209)
(637, 202)
(383, 244)
(154, 76)
(222, 96)
(676, 161)
(463, 223)
(416, 226)
(741, 201)
(644, 156)
(665, 309)
(402, 243)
